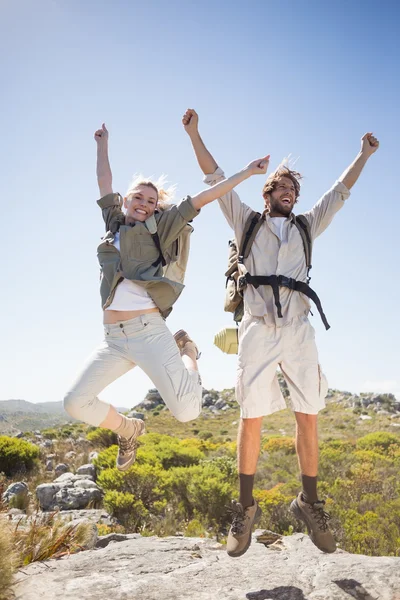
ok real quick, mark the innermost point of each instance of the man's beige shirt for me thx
(271, 256)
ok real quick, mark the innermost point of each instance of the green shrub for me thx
(129, 511)
(380, 441)
(195, 529)
(16, 455)
(104, 438)
(277, 444)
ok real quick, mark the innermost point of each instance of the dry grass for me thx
(47, 536)
(8, 560)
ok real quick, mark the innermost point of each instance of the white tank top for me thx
(130, 295)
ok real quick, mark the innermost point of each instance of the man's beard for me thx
(283, 211)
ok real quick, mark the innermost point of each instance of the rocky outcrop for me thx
(69, 492)
(148, 568)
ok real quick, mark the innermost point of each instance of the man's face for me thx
(282, 199)
(140, 204)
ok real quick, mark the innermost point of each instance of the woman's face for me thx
(140, 204)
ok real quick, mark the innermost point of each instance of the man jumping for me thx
(275, 331)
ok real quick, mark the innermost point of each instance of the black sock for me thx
(309, 489)
(246, 483)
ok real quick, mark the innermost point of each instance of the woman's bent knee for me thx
(91, 410)
(73, 405)
(189, 413)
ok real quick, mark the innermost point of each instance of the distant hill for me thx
(366, 410)
(21, 415)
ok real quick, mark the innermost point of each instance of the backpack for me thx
(236, 273)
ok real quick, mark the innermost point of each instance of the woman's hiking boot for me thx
(239, 538)
(316, 520)
(127, 446)
(183, 340)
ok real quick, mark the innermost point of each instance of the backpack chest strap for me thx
(277, 281)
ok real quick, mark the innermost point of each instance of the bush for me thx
(277, 444)
(129, 511)
(16, 455)
(380, 441)
(205, 435)
(102, 437)
(194, 529)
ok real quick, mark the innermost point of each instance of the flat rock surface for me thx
(177, 568)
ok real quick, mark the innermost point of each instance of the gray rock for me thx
(93, 455)
(208, 400)
(86, 484)
(45, 493)
(220, 404)
(65, 477)
(104, 540)
(87, 469)
(148, 568)
(49, 465)
(18, 490)
(51, 456)
(75, 498)
(46, 444)
(18, 435)
(136, 415)
(70, 478)
(61, 468)
(70, 455)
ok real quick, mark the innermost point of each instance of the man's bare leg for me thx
(307, 453)
(248, 450)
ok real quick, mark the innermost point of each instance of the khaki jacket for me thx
(139, 252)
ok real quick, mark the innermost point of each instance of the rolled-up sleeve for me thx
(111, 210)
(234, 210)
(173, 220)
(322, 213)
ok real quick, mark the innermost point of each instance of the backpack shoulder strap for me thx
(304, 229)
(250, 230)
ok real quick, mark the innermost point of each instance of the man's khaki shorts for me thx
(262, 348)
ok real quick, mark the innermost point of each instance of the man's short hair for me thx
(274, 178)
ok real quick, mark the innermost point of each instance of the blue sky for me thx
(307, 78)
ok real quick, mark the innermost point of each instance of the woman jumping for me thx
(136, 298)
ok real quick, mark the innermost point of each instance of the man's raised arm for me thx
(103, 169)
(369, 145)
(206, 161)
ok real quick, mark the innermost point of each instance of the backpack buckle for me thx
(287, 282)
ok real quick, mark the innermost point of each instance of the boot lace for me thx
(238, 517)
(127, 445)
(320, 515)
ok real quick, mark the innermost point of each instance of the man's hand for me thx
(190, 121)
(258, 166)
(101, 135)
(369, 144)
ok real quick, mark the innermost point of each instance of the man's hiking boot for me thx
(182, 340)
(316, 520)
(239, 538)
(127, 446)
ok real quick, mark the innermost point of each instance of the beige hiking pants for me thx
(144, 341)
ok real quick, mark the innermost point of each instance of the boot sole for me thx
(294, 507)
(256, 520)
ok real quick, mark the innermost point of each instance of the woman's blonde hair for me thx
(165, 194)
